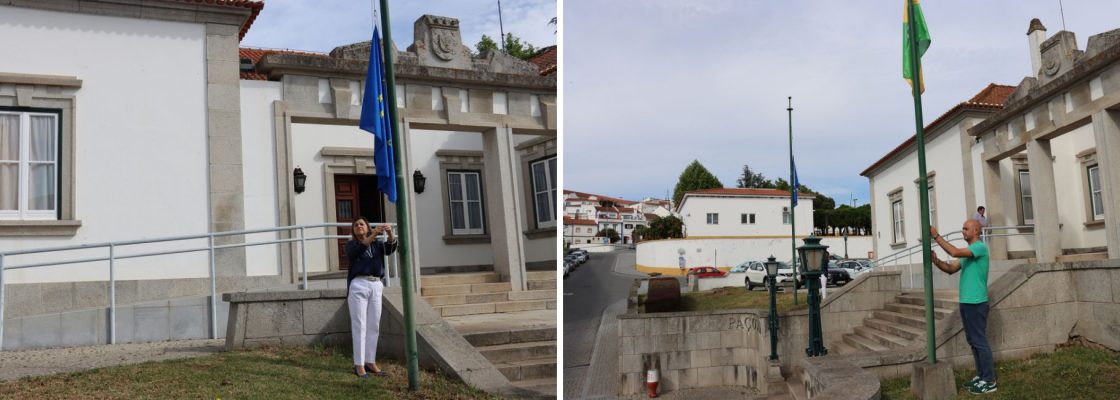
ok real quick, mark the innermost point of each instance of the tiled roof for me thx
(651, 217)
(747, 192)
(254, 6)
(587, 196)
(254, 55)
(991, 97)
(545, 59)
(573, 221)
(623, 210)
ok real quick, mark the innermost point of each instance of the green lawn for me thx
(266, 373)
(738, 297)
(1074, 372)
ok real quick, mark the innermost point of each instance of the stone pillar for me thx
(993, 194)
(1047, 235)
(1106, 130)
(503, 207)
(223, 133)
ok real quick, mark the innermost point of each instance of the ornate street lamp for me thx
(772, 273)
(814, 256)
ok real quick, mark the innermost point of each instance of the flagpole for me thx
(923, 195)
(792, 220)
(402, 205)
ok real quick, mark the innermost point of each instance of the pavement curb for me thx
(601, 380)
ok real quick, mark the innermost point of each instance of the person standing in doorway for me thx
(366, 251)
(972, 261)
(981, 217)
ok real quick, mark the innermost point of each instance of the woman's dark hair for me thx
(354, 227)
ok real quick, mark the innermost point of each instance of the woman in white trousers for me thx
(366, 252)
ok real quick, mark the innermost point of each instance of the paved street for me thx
(599, 285)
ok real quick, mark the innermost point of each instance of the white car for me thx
(755, 272)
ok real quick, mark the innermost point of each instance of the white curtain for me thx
(42, 177)
(9, 161)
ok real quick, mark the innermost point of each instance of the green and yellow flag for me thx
(919, 28)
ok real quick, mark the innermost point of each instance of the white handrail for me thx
(210, 248)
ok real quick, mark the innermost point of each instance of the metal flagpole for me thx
(923, 183)
(501, 28)
(402, 205)
(792, 224)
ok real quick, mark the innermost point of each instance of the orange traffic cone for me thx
(653, 378)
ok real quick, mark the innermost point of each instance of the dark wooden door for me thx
(347, 208)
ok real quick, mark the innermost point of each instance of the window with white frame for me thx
(544, 191)
(1025, 199)
(1095, 200)
(897, 222)
(785, 216)
(746, 219)
(464, 191)
(713, 219)
(29, 170)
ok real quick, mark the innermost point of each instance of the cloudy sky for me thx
(651, 85)
(321, 25)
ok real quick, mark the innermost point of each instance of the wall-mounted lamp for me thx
(300, 180)
(418, 180)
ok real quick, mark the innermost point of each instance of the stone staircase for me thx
(515, 330)
(897, 325)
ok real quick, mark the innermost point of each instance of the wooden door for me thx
(347, 208)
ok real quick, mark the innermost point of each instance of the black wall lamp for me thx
(300, 180)
(418, 180)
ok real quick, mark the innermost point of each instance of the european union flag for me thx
(795, 186)
(375, 120)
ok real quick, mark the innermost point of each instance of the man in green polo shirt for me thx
(972, 261)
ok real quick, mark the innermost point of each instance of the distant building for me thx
(579, 231)
(740, 212)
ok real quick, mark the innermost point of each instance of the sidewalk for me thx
(19, 364)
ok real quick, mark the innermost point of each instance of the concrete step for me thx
(528, 369)
(901, 330)
(841, 348)
(504, 353)
(547, 294)
(494, 338)
(918, 310)
(540, 275)
(457, 299)
(883, 338)
(939, 302)
(1083, 257)
(541, 284)
(904, 319)
(862, 343)
(543, 385)
(458, 279)
(466, 289)
(495, 307)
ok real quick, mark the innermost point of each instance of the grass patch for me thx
(1074, 372)
(729, 298)
(264, 373)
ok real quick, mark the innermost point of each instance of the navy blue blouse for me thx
(367, 260)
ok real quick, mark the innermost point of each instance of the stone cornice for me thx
(166, 10)
(276, 65)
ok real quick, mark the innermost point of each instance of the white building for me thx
(658, 207)
(745, 213)
(139, 120)
(1044, 158)
(580, 231)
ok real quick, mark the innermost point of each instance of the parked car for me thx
(756, 274)
(845, 271)
(706, 272)
(574, 259)
(584, 255)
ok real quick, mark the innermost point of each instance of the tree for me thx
(663, 228)
(514, 46)
(751, 179)
(694, 177)
(610, 234)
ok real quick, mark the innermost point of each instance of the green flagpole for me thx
(792, 224)
(402, 205)
(923, 196)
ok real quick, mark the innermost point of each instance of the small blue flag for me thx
(375, 120)
(794, 186)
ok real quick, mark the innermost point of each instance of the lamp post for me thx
(845, 243)
(813, 259)
(772, 273)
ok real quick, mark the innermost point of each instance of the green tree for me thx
(663, 228)
(751, 179)
(694, 177)
(514, 46)
(610, 234)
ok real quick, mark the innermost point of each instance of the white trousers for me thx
(364, 300)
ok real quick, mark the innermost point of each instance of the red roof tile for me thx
(254, 6)
(623, 210)
(573, 221)
(255, 54)
(651, 217)
(545, 59)
(991, 97)
(587, 196)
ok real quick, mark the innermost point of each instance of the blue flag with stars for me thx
(375, 120)
(795, 186)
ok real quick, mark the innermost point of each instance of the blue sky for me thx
(322, 25)
(651, 85)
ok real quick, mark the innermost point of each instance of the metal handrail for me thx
(910, 251)
(211, 247)
(986, 232)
